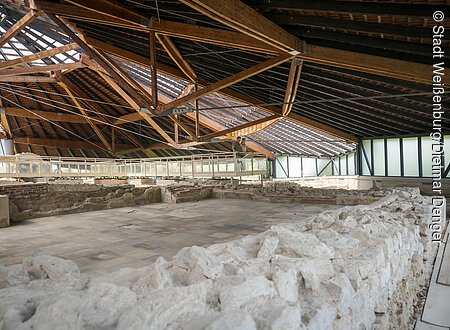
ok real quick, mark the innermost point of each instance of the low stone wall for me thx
(181, 194)
(23, 190)
(37, 200)
(358, 267)
(4, 211)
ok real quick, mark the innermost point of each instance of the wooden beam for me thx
(28, 79)
(228, 92)
(213, 36)
(382, 66)
(128, 118)
(254, 70)
(218, 127)
(92, 13)
(131, 83)
(41, 68)
(93, 125)
(132, 57)
(114, 10)
(176, 129)
(99, 59)
(70, 144)
(292, 85)
(18, 26)
(51, 116)
(154, 75)
(98, 109)
(83, 14)
(239, 127)
(387, 67)
(136, 107)
(38, 56)
(176, 56)
(410, 10)
(4, 122)
(245, 19)
(182, 126)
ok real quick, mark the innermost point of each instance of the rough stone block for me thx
(4, 211)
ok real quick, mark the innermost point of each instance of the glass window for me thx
(366, 157)
(378, 157)
(324, 166)
(426, 156)
(295, 167)
(281, 167)
(309, 167)
(351, 164)
(393, 153)
(410, 157)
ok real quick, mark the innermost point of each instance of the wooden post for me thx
(153, 69)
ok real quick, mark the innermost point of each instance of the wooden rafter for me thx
(233, 79)
(213, 36)
(100, 60)
(292, 86)
(154, 75)
(241, 127)
(18, 26)
(145, 116)
(184, 127)
(387, 67)
(176, 56)
(100, 111)
(202, 120)
(131, 83)
(41, 68)
(228, 92)
(245, 19)
(218, 127)
(91, 122)
(38, 56)
(28, 79)
(70, 144)
(4, 122)
(51, 116)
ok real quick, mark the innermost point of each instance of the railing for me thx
(196, 166)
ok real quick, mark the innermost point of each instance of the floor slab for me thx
(108, 240)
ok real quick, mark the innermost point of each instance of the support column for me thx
(153, 69)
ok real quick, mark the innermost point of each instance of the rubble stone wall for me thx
(359, 267)
(37, 200)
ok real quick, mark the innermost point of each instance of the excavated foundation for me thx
(359, 267)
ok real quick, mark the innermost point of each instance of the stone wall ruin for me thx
(353, 268)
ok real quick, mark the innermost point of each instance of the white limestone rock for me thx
(156, 276)
(18, 304)
(299, 244)
(13, 275)
(126, 277)
(268, 247)
(166, 308)
(286, 285)
(198, 262)
(322, 317)
(61, 271)
(97, 308)
(234, 320)
(286, 317)
(236, 291)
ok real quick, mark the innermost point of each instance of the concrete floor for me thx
(108, 240)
